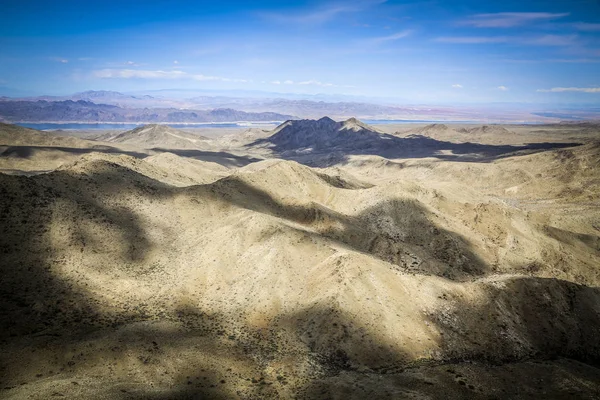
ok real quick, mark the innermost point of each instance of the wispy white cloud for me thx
(544, 40)
(315, 83)
(551, 60)
(587, 27)
(315, 17)
(60, 60)
(472, 39)
(389, 38)
(321, 14)
(311, 82)
(131, 63)
(158, 74)
(174, 74)
(571, 89)
(138, 73)
(502, 88)
(509, 19)
(457, 86)
(574, 60)
(552, 40)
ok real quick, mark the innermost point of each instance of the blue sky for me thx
(435, 52)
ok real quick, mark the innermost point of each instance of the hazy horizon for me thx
(424, 52)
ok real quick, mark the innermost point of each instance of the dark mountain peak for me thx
(298, 125)
(321, 133)
(325, 120)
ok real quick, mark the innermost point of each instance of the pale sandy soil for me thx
(223, 272)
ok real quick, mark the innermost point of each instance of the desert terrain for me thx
(321, 259)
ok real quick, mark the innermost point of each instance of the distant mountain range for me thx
(87, 111)
(135, 108)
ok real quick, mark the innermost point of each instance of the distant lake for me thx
(44, 126)
(413, 121)
(126, 126)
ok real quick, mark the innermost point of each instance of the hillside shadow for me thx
(220, 157)
(52, 325)
(518, 318)
(39, 212)
(315, 153)
(398, 231)
(558, 379)
(57, 328)
(320, 340)
(31, 296)
(225, 159)
(29, 151)
(583, 241)
(509, 328)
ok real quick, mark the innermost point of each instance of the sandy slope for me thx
(154, 135)
(481, 134)
(496, 134)
(171, 277)
(19, 136)
(28, 151)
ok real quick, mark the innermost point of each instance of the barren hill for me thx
(24, 150)
(436, 131)
(374, 278)
(433, 128)
(487, 129)
(14, 135)
(154, 135)
(483, 133)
